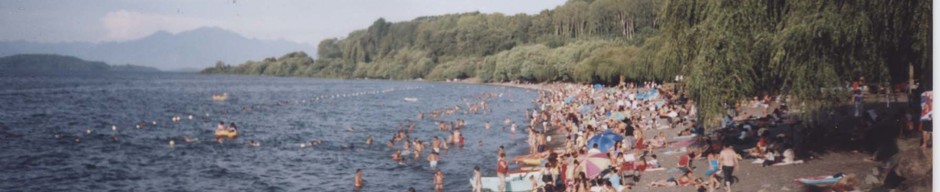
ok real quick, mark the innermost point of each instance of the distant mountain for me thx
(195, 49)
(50, 62)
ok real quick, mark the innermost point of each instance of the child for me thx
(653, 163)
(769, 158)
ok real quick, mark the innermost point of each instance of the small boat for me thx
(515, 181)
(222, 97)
(411, 99)
(226, 134)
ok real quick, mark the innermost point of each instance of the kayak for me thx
(518, 181)
(819, 180)
(224, 133)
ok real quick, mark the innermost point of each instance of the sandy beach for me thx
(752, 176)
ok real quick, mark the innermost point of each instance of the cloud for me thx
(124, 25)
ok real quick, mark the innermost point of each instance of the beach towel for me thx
(684, 143)
(818, 180)
(679, 138)
(759, 161)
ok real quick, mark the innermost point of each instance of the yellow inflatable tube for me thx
(224, 133)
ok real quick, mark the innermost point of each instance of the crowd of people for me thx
(650, 122)
(642, 114)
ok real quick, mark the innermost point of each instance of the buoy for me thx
(113, 128)
(154, 122)
(87, 131)
(57, 136)
(190, 117)
(172, 143)
(138, 126)
(77, 140)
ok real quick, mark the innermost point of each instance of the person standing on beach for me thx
(477, 180)
(358, 180)
(729, 162)
(502, 169)
(439, 181)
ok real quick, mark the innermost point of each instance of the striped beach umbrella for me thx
(595, 163)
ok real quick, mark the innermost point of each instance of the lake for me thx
(42, 116)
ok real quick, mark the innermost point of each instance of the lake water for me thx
(41, 116)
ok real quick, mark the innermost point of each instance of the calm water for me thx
(41, 115)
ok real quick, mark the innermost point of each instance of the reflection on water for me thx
(56, 132)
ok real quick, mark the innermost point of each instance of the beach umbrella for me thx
(598, 86)
(585, 109)
(617, 116)
(569, 99)
(604, 140)
(595, 163)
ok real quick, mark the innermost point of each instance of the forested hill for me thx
(768, 46)
(60, 63)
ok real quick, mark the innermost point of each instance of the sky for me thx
(302, 21)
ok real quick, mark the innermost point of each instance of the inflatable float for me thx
(225, 134)
(222, 97)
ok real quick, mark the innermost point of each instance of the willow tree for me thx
(732, 50)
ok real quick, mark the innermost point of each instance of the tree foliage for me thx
(728, 50)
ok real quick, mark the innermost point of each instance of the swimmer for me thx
(457, 137)
(350, 129)
(189, 139)
(253, 143)
(77, 140)
(369, 140)
(435, 144)
(221, 126)
(357, 180)
(433, 158)
(439, 181)
(397, 155)
(114, 138)
(486, 125)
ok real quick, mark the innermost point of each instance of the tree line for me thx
(727, 50)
